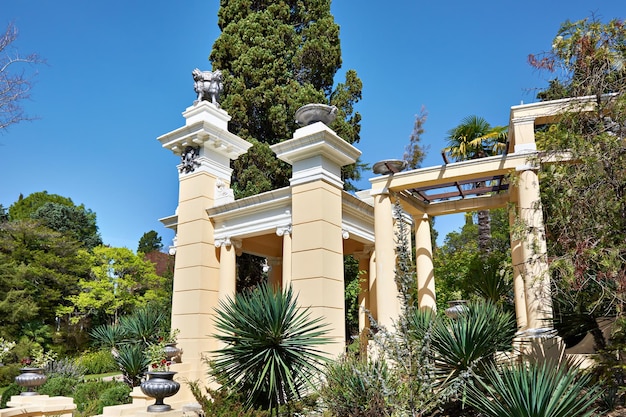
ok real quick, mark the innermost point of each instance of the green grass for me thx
(100, 376)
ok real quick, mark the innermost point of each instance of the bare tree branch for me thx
(15, 82)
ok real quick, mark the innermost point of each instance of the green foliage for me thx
(120, 281)
(467, 345)
(132, 362)
(270, 355)
(39, 269)
(130, 338)
(352, 288)
(149, 242)
(59, 386)
(276, 57)
(65, 368)
(98, 362)
(11, 390)
(60, 214)
(8, 373)
(534, 390)
(223, 403)
(358, 388)
(25, 207)
(91, 396)
(589, 57)
(75, 222)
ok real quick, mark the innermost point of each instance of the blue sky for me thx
(118, 75)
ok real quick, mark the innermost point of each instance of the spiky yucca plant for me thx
(534, 390)
(271, 352)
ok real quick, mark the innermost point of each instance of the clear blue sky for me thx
(118, 75)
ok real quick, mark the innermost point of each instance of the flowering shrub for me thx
(5, 348)
(156, 356)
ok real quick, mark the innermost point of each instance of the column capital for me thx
(283, 230)
(228, 241)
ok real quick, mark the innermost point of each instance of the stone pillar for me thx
(364, 258)
(206, 149)
(426, 298)
(228, 268)
(387, 307)
(534, 252)
(517, 259)
(285, 232)
(317, 154)
(275, 273)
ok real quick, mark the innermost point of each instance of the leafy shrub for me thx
(117, 393)
(11, 390)
(98, 362)
(222, 403)
(59, 386)
(8, 373)
(90, 397)
(67, 368)
(358, 388)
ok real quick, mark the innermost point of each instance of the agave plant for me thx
(534, 390)
(144, 325)
(132, 362)
(270, 352)
(108, 336)
(466, 345)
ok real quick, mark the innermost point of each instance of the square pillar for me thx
(317, 154)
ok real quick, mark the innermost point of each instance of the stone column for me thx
(228, 268)
(385, 282)
(534, 252)
(206, 149)
(426, 298)
(275, 273)
(317, 154)
(364, 258)
(517, 259)
(285, 232)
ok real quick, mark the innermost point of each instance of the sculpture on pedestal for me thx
(208, 85)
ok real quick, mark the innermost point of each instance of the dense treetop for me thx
(276, 57)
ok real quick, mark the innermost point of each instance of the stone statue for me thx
(208, 85)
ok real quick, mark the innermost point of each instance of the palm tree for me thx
(475, 138)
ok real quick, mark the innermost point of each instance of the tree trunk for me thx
(484, 232)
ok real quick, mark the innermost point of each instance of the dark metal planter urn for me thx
(30, 378)
(159, 385)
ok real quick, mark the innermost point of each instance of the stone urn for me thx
(312, 113)
(160, 385)
(457, 307)
(172, 352)
(30, 378)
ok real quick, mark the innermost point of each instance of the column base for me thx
(540, 345)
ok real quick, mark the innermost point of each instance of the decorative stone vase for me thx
(311, 113)
(30, 378)
(172, 352)
(159, 385)
(456, 308)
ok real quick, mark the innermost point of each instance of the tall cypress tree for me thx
(276, 56)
